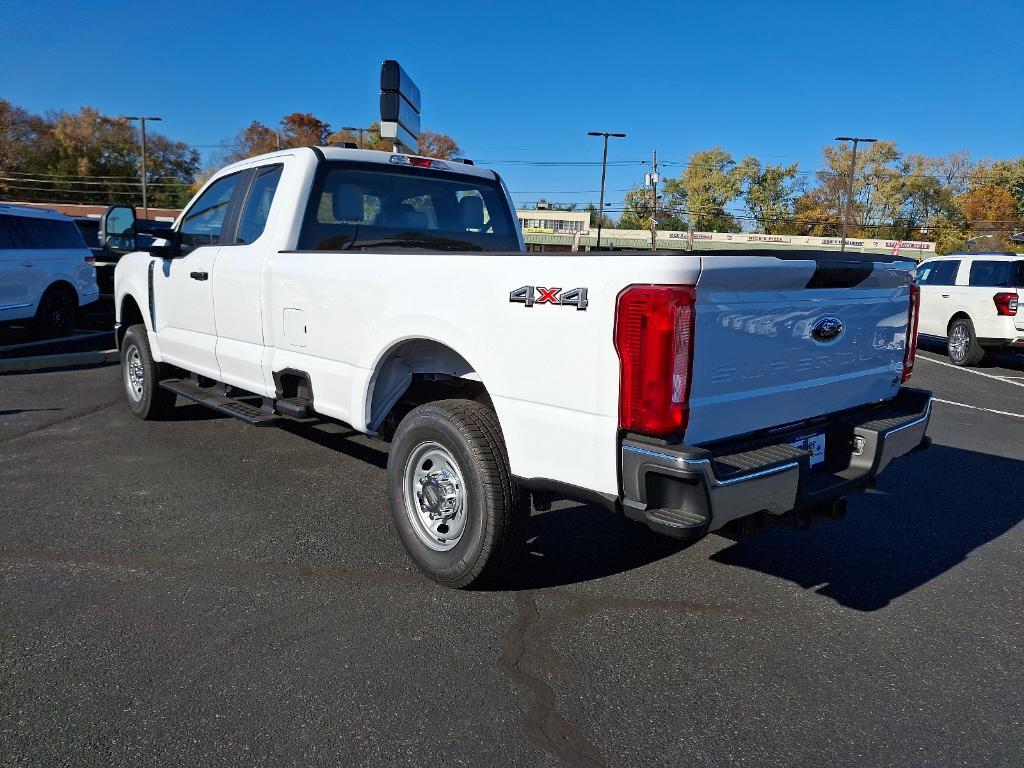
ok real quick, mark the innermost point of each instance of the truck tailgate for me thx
(763, 356)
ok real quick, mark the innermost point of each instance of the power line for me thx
(118, 181)
(78, 175)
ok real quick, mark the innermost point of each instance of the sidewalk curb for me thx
(67, 360)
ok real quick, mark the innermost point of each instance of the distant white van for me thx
(46, 270)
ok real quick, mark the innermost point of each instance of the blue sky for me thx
(525, 81)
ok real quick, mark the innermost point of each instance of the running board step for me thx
(294, 407)
(208, 396)
(675, 523)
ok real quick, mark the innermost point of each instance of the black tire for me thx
(496, 510)
(57, 312)
(962, 345)
(141, 374)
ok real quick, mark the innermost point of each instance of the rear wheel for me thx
(962, 345)
(459, 513)
(141, 375)
(57, 312)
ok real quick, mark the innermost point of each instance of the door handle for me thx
(199, 275)
(945, 295)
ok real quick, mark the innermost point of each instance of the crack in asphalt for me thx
(64, 420)
(548, 730)
(544, 726)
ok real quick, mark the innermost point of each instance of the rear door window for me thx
(938, 272)
(257, 205)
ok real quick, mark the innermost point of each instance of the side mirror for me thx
(117, 229)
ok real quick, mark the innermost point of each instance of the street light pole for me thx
(359, 131)
(849, 182)
(142, 126)
(604, 166)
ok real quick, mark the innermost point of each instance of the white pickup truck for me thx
(393, 293)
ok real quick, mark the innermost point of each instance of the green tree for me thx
(769, 192)
(637, 210)
(710, 182)
(598, 218)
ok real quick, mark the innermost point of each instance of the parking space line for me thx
(979, 408)
(976, 373)
(76, 336)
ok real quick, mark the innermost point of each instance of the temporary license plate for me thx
(813, 443)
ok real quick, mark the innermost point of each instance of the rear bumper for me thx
(681, 490)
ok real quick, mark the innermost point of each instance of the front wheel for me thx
(963, 347)
(459, 513)
(141, 375)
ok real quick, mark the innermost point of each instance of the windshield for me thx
(367, 206)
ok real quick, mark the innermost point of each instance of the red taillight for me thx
(420, 162)
(654, 339)
(1006, 303)
(910, 352)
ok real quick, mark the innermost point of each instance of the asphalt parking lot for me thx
(198, 592)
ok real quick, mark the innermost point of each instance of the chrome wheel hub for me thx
(435, 496)
(958, 343)
(134, 373)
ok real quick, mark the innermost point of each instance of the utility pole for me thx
(142, 127)
(651, 179)
(604, 165)
(849, 182)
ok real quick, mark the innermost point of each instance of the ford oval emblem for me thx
(827, 329)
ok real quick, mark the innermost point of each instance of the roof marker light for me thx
(419, 162)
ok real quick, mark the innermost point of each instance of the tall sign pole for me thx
(604, 166)
(849, 182)
(399, 108)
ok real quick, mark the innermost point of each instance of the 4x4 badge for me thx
(538, 294)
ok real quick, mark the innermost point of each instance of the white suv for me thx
(972, 300)
(46, 270)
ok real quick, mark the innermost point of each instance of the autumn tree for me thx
(255, 139)
(86, 157)
(301, 129)
(1006, 174)
(25, 139)
(440, 145)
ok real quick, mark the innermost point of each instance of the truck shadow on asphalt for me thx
(574, 543)
(930, 513)
(933, 510)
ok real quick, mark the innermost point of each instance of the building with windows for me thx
(546, 221)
